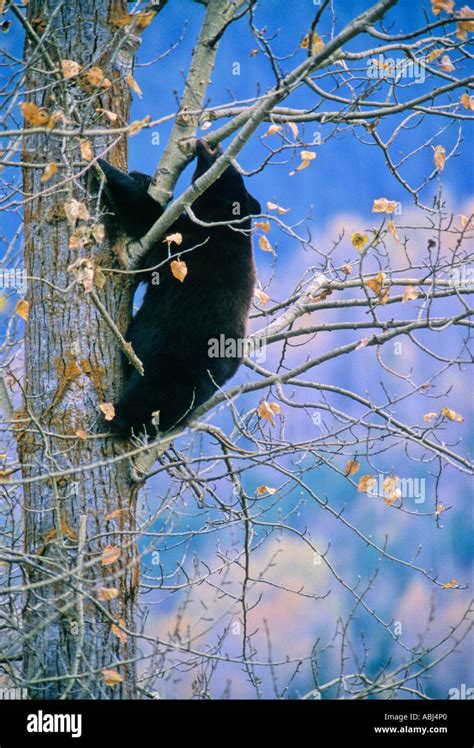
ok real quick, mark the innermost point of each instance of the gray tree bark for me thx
(72, 364)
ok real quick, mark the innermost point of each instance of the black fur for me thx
(172, 330)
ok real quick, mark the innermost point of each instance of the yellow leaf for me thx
(274, 206)
(303, 165)
(366, 483)
(70, 68)
(446, 64)
(467, 101)
(141, 20)
(434, 55)
(68, 531)
(262, 297)
(77, 240)
(466, 223)
(144, 19)
(321, 296)
(110, 555)
(273, 129)
(108, 410)
(118, 631)
(438, 5)
(352, 467)
(111, 677)
(264, 225)
(179, 270)
(265, 245)
(99, 277)
(83, 269)
(439, 157)
(390, 486)
(138, 125)
(267, 410)
(107, 593)
(384, 296)
(429, 416)
(86, 150)
(50, 535)
(410, 293)
(34, 115)
(261, 490)
(464, 27)
(81, 434)
(392, 228)
(376, 283)
(307, 157)
(95, 76)
(76, 211)
(54, 118)
(134, 85)
(359, 240)
(317, 44)
(22, 308)
(111, 116)
(294, 129)
(383, 205)
(124, 20)
(50, 171)
(177, 238)
(451, 415)
(449, 585)
(116, 513)
(98, 232)
(305, 42)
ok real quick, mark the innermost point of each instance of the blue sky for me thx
(347, 174)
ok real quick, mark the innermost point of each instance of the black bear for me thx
(178, 323)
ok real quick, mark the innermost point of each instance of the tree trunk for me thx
(72, 363)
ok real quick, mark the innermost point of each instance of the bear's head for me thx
(227, 198)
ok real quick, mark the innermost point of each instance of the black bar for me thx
(127, 723)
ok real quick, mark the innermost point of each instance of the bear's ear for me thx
(135, 210)
(143, 180)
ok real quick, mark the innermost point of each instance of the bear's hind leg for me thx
(170, 398)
